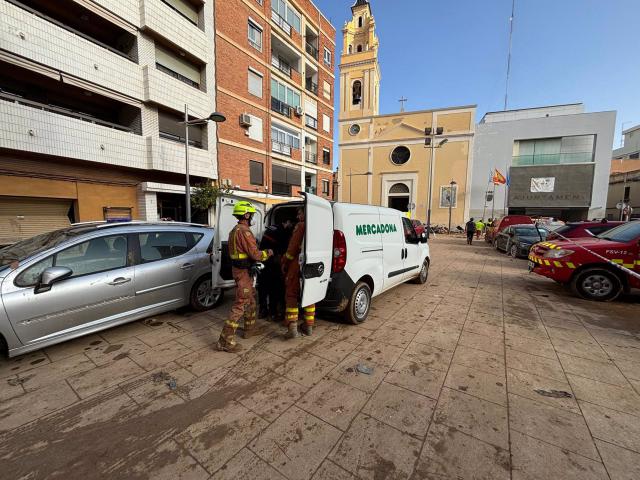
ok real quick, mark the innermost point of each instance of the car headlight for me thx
(558, 253)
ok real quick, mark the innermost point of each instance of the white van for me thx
(352, 253)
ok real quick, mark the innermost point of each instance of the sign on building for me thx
(543, 185)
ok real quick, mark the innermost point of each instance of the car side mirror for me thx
(423, 238)
(51, 276)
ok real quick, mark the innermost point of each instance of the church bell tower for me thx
(359, 69)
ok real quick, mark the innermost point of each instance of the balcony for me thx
(281, 65)
(311, 86)
(177, 76)
(311, 157)
(552, 159)
(168, 156)
(178, 139)
(311, 50)
(311, 122)
(281, 148)
(281, 22)
(170, 92)
(281, 107)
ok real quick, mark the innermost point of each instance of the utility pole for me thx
(431, 135)
(451, 185)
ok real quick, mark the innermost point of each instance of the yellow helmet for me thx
(242, 208)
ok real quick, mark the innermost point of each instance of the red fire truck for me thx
(597, 268)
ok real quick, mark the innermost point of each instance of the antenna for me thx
(402, 102)
(506, 93)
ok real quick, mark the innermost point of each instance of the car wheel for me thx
(359, 304)
(513, 251)
(422, 278)
(203, 297)
(597, 284)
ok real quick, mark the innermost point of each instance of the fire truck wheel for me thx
(597, 284)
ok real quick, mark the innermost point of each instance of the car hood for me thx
(530, 240)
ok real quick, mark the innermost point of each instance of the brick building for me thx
(275, 84)
(91, 96)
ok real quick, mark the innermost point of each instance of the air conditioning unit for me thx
(299, 111)
(245, 120)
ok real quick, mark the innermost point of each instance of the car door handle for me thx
(187, 266)
(120, 281)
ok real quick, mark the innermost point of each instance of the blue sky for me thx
(447, 53)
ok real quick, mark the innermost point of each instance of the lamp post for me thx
(214, 117)
(430, 142)
(351, 175)
(452, 184)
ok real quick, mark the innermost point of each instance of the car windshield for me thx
(528, 232)
(623, 233)
(26, 248)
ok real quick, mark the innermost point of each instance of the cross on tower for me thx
(402, 102)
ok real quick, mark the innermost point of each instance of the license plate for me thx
(531, 266)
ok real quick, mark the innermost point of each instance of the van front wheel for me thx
(359, 304)
(422, 278)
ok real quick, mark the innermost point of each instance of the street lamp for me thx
(452, 184)
(214, 117)
(351, 175)
(430, 142)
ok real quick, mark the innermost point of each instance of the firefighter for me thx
(244, 253)
(271, 280)
(291, 270)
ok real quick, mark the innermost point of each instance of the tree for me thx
(205, 195)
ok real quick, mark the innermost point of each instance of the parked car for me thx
(594, 276)
(582, 229)
(499, 224)
(517, 240)
(85, 278)
(419, 227)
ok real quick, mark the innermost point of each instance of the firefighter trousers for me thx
(244, 307)
(292, 297)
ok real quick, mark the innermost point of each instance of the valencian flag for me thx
(498, 178)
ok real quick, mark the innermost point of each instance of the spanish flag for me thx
(498, 178)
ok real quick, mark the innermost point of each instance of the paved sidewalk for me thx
(486, 372)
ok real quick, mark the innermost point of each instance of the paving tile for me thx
(405, 410)
(392, 335)
(535, 332)
(533, 459)
(55, 372)
(553, 425)
(155, 384)
(477, 383)
(348, 333)
(296, 443)
(629, 369)
(621, 464)
(246, 465)
(10, 387)
(306, 369)
(330, 349)
(257, 363)
(444, 340)
(481, 342)
(194, 323)
(100, 378)
(73, 347)
(371, 449)
(219, 434)
(624, 399)
(451, 454)
(416, 377)
(168, 462)
(480, 360)
(542, 348)
(214, 380)
(525, 384)
(330, 471)
(622, 352)
(117, 334)
(431, 357)
(156, 357)
(271, 395)
(287, 349)
(603, 371)
(334, 402)
(162, 335)
(496, 320)
(10, 367)
(488, 330)
(206, 360)
(109, 352)
(479, 418)
(571, 335)
(205, 337)
(583, 350)
(346, 372)
(378, 352)
(544, 367)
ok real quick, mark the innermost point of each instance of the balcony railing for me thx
(280, 107)
(553, 159)
(311, 122)
(311, 50)
(281, 148)
(311, 86)
(311, 157)
(179, 13)
(179, 139)
(178, 76)
(281, 65)
(281, 189)
(281, 22)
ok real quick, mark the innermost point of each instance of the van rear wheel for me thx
(359, 304)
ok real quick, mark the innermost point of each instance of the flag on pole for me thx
(499, 178)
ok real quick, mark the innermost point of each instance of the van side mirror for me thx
(423, 238)
(51, 276)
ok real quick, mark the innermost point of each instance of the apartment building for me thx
(92, 93)
(275, 83)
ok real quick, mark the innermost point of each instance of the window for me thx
(400, 155)
(326, 123)
(410, 234)
(326, 156)
(255, 83)
(282, 140)
(634, 156)
(359, 49)
(325, 187)
(448, 196)
(285, 94)
(255, 35)
(359, 22)
(627, 194)
(354, 129)
(185, 9)
(326, 90)
(255, 130)
(283, 179)
(327, 57)
(287, 13)
(256, 173)
(178, 67)
(350, 49)
(554, 151)
(164, 245)
(357, 92)
(31, 275)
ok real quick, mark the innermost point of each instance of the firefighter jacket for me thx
(243, 247)
(295, 244)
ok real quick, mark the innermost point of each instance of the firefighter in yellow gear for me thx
(243, 250)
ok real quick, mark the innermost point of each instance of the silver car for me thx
(72, 282)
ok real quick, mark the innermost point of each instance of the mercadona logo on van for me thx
(374, 229)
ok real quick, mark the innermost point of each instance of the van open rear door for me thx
(318, 250)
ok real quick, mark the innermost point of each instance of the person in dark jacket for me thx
(470, 228)
(271, 280)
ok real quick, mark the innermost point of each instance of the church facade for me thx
(383, 158)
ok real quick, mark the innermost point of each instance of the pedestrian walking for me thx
(291, 270)
(479, 228)
(244, 253)
(470, 229)
(271, 280)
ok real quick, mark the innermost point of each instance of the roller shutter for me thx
(22, 218)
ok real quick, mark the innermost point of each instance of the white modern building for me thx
(556, 159)
(91, 96)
